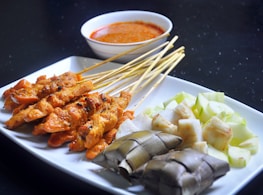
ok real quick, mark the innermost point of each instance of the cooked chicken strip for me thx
(108, 137)
(71, 116)
(47, 105)
(91, 132)
(62, 119)
(25, 93)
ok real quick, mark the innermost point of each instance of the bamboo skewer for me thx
(165, 62)
(151, 75)
(138, 73)
(121, 54)
(159, 81)
(166, 65)
(129, 64)
(155, 62)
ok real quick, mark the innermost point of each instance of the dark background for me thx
(224, 48)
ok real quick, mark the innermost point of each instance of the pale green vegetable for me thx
(217, 153)
(238, 157)
(185, 97)
(251, 145)
(152, 111)
(188, 98)
(225, 131)
(171, 105)
(210, 104)
(217, 108)
(239, 128)
(200, 108)
(214, 96)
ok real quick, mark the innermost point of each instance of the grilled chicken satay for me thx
(59, 138)
(101, 122)
(71, 116)
(94, 103)
(59, 122)
(108, 137)
(9, 104)
(23, 83)
(25, 93)
(47, 105)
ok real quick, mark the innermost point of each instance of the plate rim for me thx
(69, 60)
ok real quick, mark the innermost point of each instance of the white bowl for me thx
(106, 50)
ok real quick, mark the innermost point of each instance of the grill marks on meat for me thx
(64, 109)
(104, 120)
(108, 137)
(71, 116)
(47, 104)
(25, 93)
(103, 114)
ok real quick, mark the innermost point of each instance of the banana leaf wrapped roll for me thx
(181, 172)
(129, 152)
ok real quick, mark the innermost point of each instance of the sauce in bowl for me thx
(127, 32)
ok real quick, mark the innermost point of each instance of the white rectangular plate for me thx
(76, 165)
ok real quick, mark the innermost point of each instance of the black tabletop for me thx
(224, 52)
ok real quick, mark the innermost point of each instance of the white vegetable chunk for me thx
(190, 131)
(160, 123)
(201, 146)
(183, 111)
(217, 133)
(170, 115)
(140, 122)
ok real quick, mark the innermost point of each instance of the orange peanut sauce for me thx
(127, 32)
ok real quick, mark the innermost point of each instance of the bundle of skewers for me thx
(84, 111)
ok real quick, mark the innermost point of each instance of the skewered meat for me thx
(181, 172)
(103, 120)
(59, 138)
(9, 104)
(128, 153)
(46, 105)
(24, 93)
(101, 111)
(23, 83)
(108, 137)
(71, 116)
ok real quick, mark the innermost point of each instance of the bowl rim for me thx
(87, 37)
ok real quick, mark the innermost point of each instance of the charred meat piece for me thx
(96, 112)
(9, 104)
(67, 119)
(46, 105)
(103, 120)
(25, 93)
(107, 139)
(57, 139)
(71, 116)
